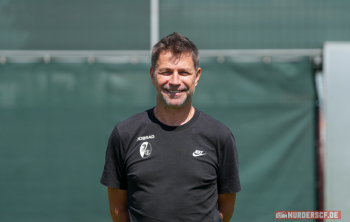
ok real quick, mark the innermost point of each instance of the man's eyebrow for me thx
(169, 69)
(184, 69)
(165, 69)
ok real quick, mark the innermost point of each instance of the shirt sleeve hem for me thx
(229, 191)
(114, 185)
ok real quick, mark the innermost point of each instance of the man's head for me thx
(175, 72)
(176, 44)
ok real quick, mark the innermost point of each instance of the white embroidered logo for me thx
(145, 149)
(198, 153)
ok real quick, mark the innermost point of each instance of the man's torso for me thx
(172, 172)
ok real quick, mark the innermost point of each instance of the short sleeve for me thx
(114, 174)
(228, 178)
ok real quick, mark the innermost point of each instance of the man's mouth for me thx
(174, 91)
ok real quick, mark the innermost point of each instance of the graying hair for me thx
(176, 44)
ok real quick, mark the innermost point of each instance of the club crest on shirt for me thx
(145, 149)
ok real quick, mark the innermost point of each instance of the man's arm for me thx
(226, 204)
(118, 204)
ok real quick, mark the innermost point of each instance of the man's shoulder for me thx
(134, 121)
(210, 123)
(128, 128)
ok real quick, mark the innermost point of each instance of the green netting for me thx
(225, 24)
(255, 24)
(74, 24)
(55, 123)
(55, 120)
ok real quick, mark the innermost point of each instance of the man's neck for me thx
(174, 116)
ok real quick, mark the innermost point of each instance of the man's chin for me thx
(174, 104)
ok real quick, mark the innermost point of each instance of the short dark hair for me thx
(176, 44)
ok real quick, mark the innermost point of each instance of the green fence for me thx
(125, 25)
(255, 24)
(55, 120)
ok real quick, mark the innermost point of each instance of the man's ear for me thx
(198, 75)
(151, 74)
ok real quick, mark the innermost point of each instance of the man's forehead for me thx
(175, 58)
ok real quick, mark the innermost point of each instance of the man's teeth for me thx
(174, 91)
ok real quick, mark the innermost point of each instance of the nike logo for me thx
(198, 153)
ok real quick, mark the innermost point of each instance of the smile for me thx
(174, 91)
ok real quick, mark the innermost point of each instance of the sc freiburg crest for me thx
(145, 149)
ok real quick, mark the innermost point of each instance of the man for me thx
(173, 162)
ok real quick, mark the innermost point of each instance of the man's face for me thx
(175, 79)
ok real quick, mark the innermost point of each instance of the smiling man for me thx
(172, 162)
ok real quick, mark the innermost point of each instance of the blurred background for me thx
(71, 70)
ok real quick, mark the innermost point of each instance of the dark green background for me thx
(56, 119)
(256, 24)
(125, 25)
(74, 24)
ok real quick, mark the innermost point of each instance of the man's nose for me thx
(175, 78)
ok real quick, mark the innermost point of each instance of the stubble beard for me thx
(168, 104)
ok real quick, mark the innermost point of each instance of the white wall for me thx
(337, 114)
